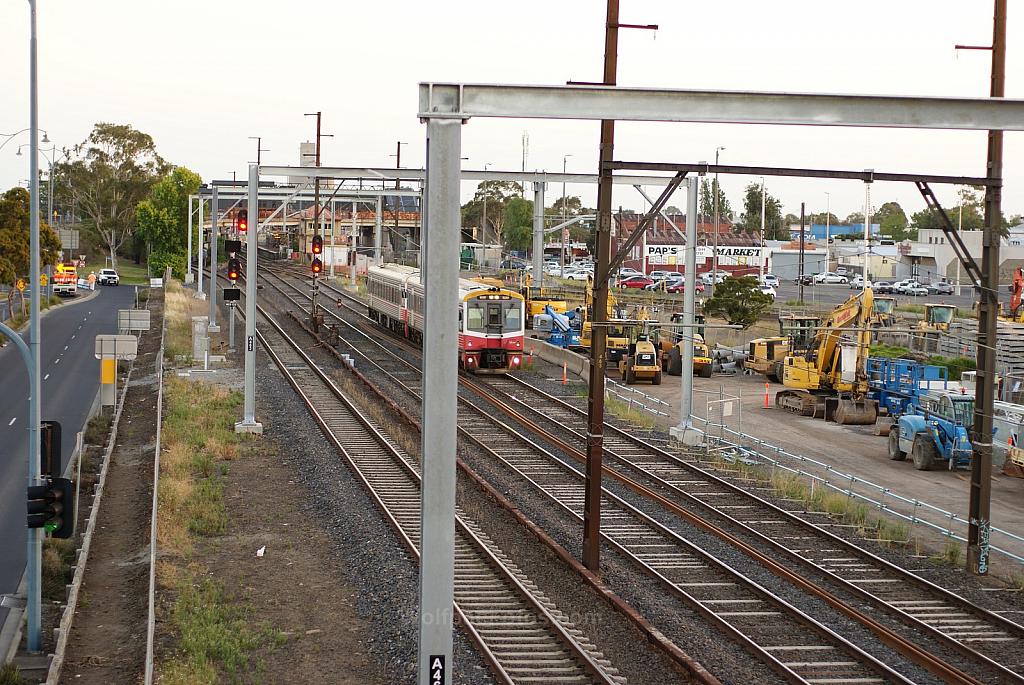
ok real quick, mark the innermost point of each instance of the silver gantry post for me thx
(34, 549)
(214, 219)
(188, 262)
(199, 280)
(440, 376)
(538, 232)
(353, 242)
(248, 424)
(685, 431)
(377, 234)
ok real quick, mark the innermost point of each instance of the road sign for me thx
(42, 280)
(21, 285)
(117, 347)
(133, 319)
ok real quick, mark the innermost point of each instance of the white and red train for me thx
(491, 320)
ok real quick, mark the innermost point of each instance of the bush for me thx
(739, 301)
(159, 261)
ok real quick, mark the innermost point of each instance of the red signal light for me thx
(318, 244)
(243, 220)
(318, 266)
(234, 269)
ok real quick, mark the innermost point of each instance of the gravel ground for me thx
(373, 558)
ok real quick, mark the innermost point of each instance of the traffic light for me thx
(318, 244)
(243, 220)
(52, 506)
(234, 269)
(318, 266)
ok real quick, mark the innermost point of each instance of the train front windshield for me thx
(493, 316)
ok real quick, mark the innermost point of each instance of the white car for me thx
(627, 271)
(577, 274)
(906, 285)
(108, 277)
(768, 290)
(552, 269)
(707, 278)
(858, 282)
(916, 290)
(772, 280)
(830, 277)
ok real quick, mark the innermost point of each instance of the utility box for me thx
(200, 337)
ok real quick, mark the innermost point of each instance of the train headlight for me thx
(515, 361)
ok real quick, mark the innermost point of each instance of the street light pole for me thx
(828, 230)
(34, 544)
(259, 148)
(714, 255)
(564, 158)
(763, 203)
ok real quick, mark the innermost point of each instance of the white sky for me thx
(179, 71)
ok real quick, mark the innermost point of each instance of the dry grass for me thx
(58, 556)
(179, 308)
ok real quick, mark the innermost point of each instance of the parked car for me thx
(940, 288)
(772, 280)
(638, 282)
(656, 274)
(576, 274)
(512, 264)
(707, 278)
(916, 291)
(841, 270)
(858, 283)
(883, 288)
(679, 286)
(768, 290)
(830, 277)
(627, 271)
(905, 286)
(804, 280)
(108, 277)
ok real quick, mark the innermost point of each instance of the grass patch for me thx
(199, 440)
(130, 272)
(215, 635)
(179, 308)
(9, 675)
(632, 415)
(98, 428)
(951, 554)
(58, 556)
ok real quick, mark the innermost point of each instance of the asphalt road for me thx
(70, 382)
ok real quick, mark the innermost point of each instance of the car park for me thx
(916, 290)
(108, 277)
(512, 264)
(627, 271)
(804, 280)
(829, 277)
(638, 282)
(903, 287)
(576, 274)
(767, 290)
(707, 278)
(940, 288)
(883, 288)
(679, 286)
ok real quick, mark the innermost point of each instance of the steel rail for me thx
(782, 668)
(559, 644)
(1003, 631)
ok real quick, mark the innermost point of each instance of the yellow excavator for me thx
(617, 339)
(883, 313)
(766, 356)
(536, 300)
(830, 380)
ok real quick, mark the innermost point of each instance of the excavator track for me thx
(800, 402)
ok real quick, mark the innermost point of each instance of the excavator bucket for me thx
(850, 412)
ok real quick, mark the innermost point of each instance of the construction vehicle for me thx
(642, 360)
(65, 280)
(536, 301)
(830, 379)
(617, 337)
(937, 317)
(562, 330)
(672, 356)
(883, 314)
(935, 429)
(895, 384)
(767, 355)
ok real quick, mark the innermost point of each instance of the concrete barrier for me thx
(574, 363)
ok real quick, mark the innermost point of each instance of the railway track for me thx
(523, 637)
(796, 646)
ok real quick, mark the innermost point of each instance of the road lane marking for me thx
(72, 337)
(57, 361)
(12, 421)
(46, 376)
(65, 348)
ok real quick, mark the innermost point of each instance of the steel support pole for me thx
(231, 326)
(867, 232)
(440, 388)
(214, 229)
(800, 271)
(599, 315)
(34, 536)
(979, 520)
(761, 260)
(199, 280)
(248, 424)
(188, 262)
(377, 237)
(684, 430)
(334, 223)
(352, 243)
(538, 232)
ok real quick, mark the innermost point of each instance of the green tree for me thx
(162, 220)
(738, 300)
(518, 222)
(111, 172)
(774, 227)
(15, 239)
(572, 203)
(820, 219)
(487, 208)
(707, 200)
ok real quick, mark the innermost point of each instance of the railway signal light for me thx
(234, 269)
(318, 244)
(51, 506)
(243, 220)
(318, 266)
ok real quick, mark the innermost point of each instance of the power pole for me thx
(801, 271)
(316, 218)
(599, 332)
(979, 522)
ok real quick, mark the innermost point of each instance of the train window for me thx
(513, 321)
(475, 317)
(493, 315)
